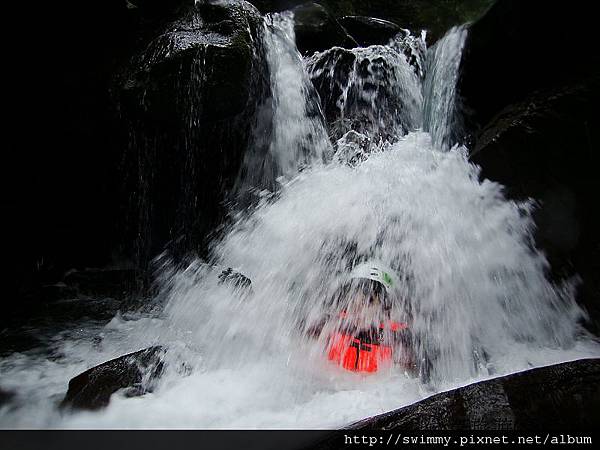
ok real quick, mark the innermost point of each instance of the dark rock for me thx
(369, 30)
(235, 279)
(534, 126)
(360, 90)
(353, 148)
(135, 372)
(564, 396)
(114, 283)
(317, 30)
(518, 47)
(547, 147)
(192, 117)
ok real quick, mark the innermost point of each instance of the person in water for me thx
(361, 335)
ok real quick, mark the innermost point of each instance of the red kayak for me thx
(358, 355)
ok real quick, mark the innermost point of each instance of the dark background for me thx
(64, 143)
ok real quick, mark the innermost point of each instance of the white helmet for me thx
(373, 271)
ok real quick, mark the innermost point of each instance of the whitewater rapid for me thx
(237, 359)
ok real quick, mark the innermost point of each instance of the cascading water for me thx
(441, 118)
(298, 137)
(371, 95)
(470, 282)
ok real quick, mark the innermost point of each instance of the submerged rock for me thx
(547, 148)
(564, 396)
(134, 372)
(235, 279)
(317, 30)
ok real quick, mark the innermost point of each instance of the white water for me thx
(298, 136)
(376, 91)
(475, 287)
(440, 109)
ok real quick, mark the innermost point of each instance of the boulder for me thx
(372, 91)
(547, 147)
(235, 280)
(317, 30)
(519, 47)
(563, 396)
(370, 30)
(533, 124)
(190, 98)
(135, 372)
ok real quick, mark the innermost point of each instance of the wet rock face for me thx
(547, 147)
(235, 279)
(201, 45)
(373, 91)
(317, 30)
(534, 127)
(190, 99)
(134, 372)
(564, 396)
(147, 111)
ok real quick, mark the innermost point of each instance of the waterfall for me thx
(292, 113)
(468, 280)
(441, 116)
(474, 287)
(371, 95)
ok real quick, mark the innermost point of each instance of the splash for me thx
(471, 280)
